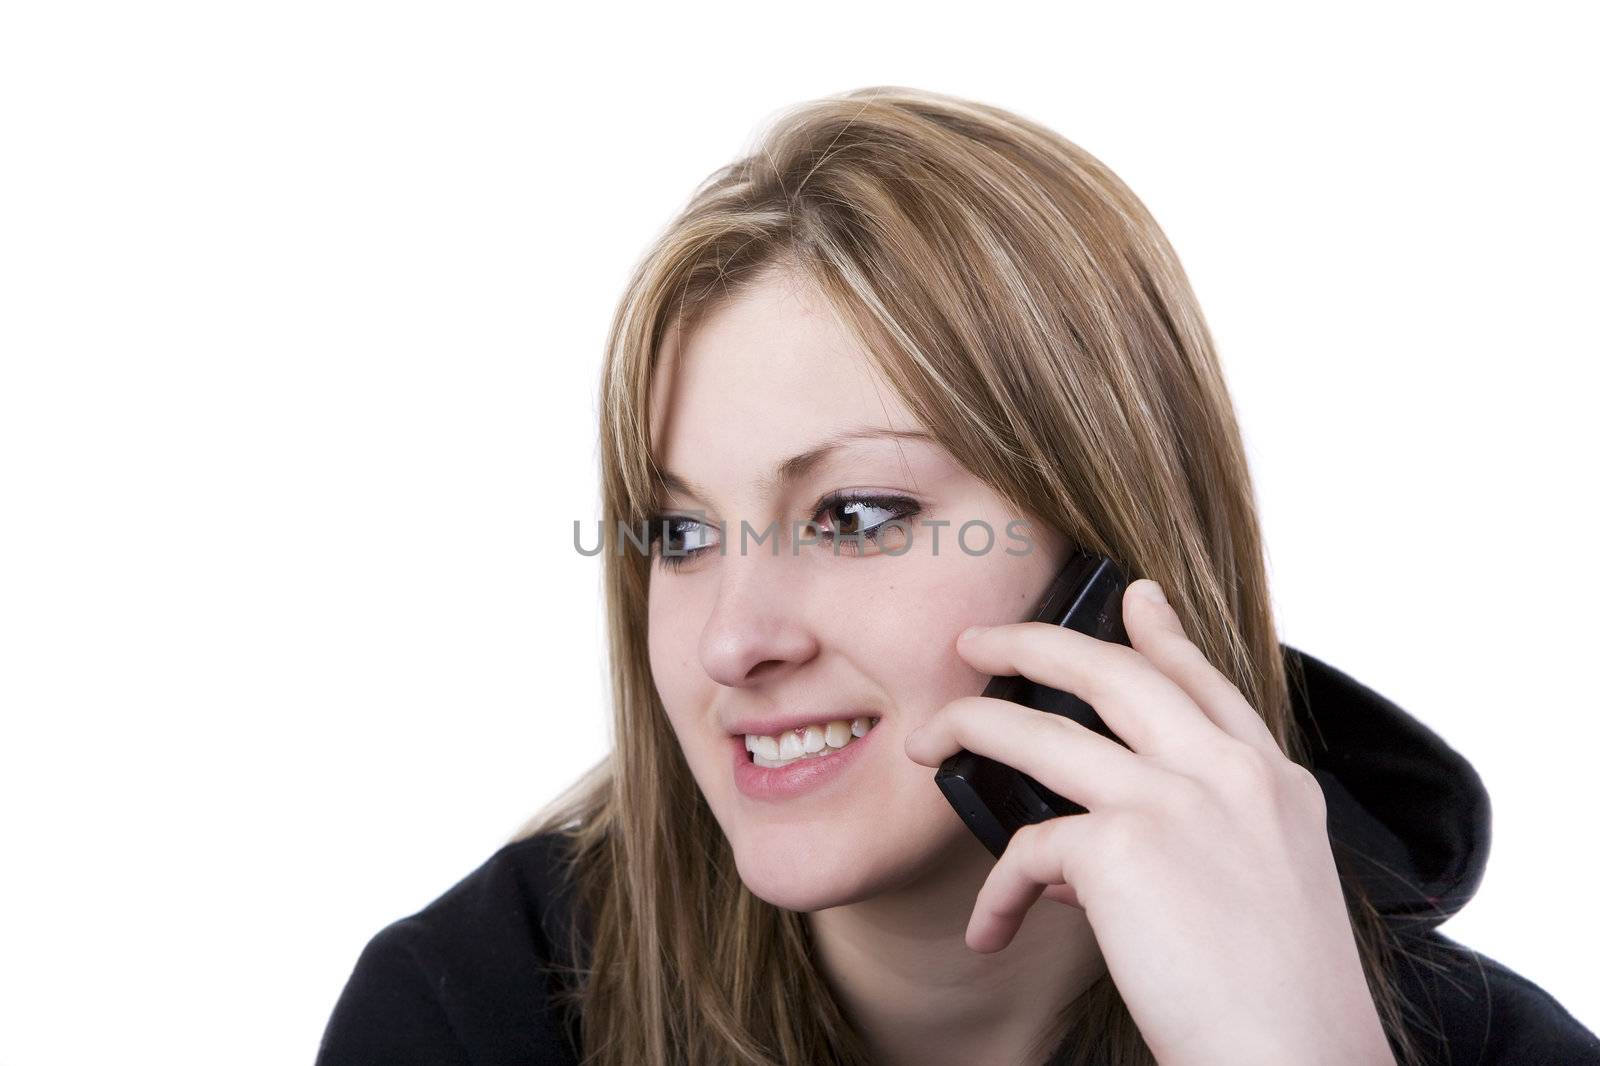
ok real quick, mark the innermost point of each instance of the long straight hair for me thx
(1036, 320)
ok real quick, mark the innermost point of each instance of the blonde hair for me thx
(1036, 320)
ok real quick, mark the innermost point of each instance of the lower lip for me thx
(798, 778)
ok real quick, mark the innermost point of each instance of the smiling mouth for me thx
(807, 742)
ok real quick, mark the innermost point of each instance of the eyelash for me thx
(900, 507)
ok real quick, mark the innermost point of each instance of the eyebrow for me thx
(789, 470)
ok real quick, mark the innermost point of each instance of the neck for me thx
(900, 966)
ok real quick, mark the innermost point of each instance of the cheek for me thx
(910, 649)
(671, 643)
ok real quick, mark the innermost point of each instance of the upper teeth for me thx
(793, 743)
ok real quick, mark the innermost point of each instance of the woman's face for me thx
(866, 632)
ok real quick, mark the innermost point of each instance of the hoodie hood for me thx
(1408, 816)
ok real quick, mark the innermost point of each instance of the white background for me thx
(301, 311)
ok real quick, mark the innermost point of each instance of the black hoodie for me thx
(462, 980)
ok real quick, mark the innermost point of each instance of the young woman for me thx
(905, 320)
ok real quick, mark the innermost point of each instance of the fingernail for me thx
(971, 631)
(1151, 591)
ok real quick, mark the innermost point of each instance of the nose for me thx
(757, 630)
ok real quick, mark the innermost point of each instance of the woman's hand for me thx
(1203, 864)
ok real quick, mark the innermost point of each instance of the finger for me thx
(1143, 706)
(1037, 857)
(1157, 634)
(1060, 754)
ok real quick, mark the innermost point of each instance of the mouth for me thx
(760, 778)
(815, 740)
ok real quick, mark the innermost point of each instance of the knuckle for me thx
(959, 713)
(1245, 770)
(1124, 655)
(1060, 725)
(1123, 835)
(1180, 798)
(1303, 786)
(1027, 840)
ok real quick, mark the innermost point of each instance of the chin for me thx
(820, 872)
(809, 877)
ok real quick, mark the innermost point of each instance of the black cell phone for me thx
(994, 799)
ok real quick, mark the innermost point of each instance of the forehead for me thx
(766, 374)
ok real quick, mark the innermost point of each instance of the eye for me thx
(842, 518)
(862, 517)
(675, 539)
